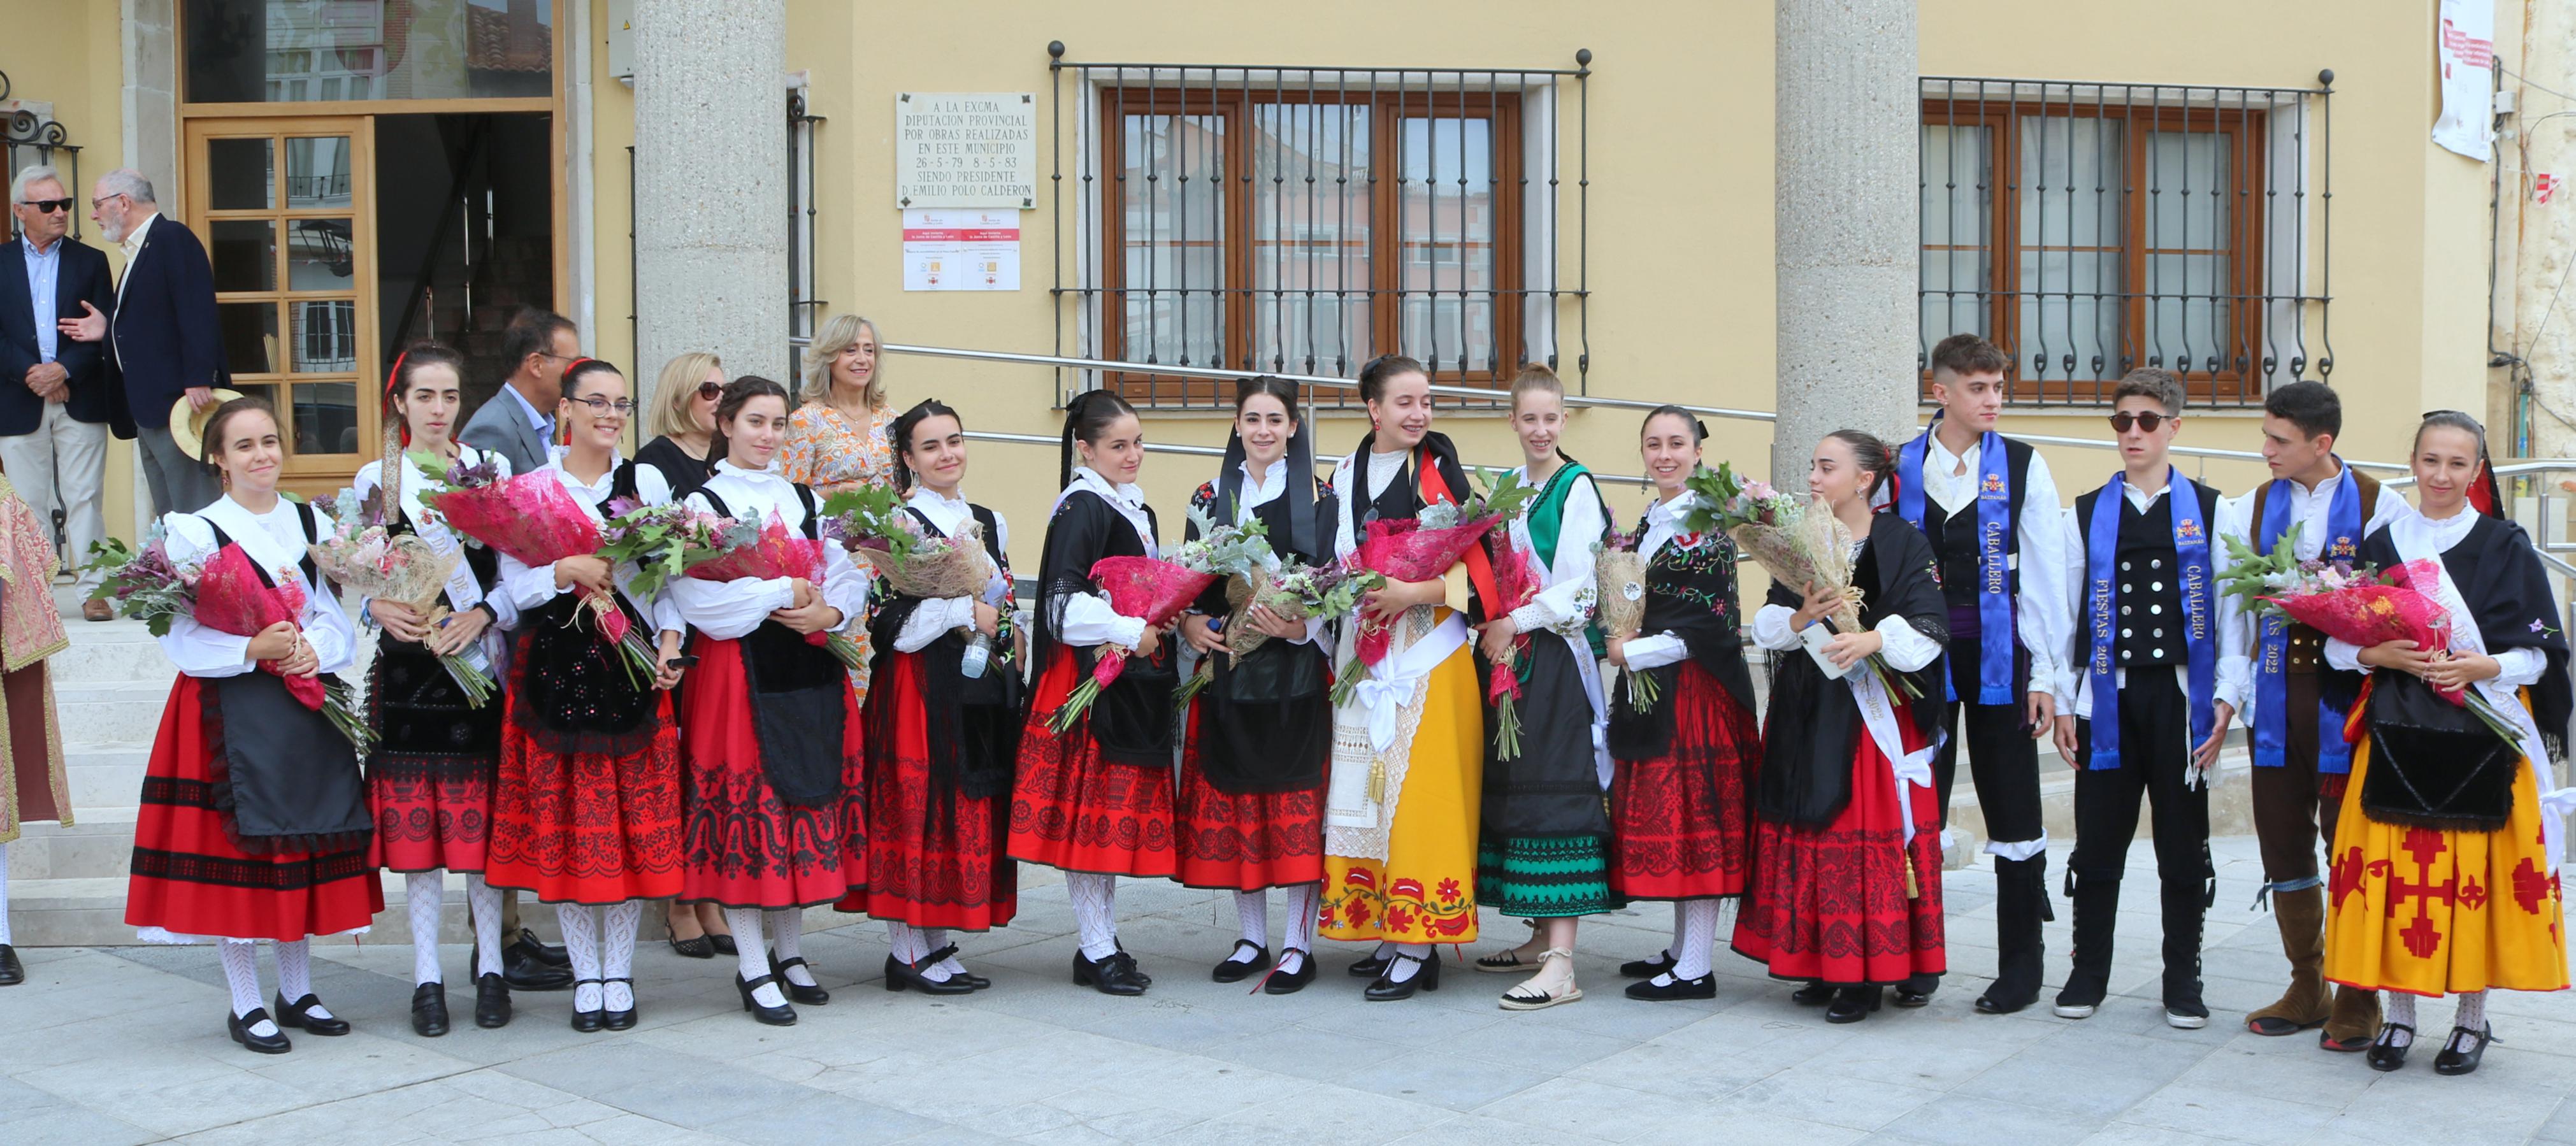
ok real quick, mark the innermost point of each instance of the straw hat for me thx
(188, 426)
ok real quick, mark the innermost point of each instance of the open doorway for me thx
(465, 233)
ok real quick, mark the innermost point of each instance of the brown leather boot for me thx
(2355, 1021)
(2302, 917)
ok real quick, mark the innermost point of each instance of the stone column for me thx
(710, 186)
(1844, 222)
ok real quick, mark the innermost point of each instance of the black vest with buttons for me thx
(2146, 577)
(1954, 534)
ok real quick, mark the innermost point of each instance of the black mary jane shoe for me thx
(240, 1026)
(429, 1010)
(1115, 975)
(1662, 964)
(299, 1015)
(12, 972)
(524, 971)
(2454, 1060)
(1812, 995)
(1280, 982)
(699, 947)
(2386, 1055)
(781, 1015)
(491, 1002)
(724, 943)
(1704, 987)
(813, 996)
(1370, 967)
(1852, 1004)
(588, 1021)
(550, 954)
(1915, 991)
(617, 1020)
(1233, 970)
(900, 975)
(1426, 977)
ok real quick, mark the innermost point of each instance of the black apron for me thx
(576, 694)
(799, 696)
(974, 723)
(291, 779)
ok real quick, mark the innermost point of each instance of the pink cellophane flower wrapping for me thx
(775, 551)
(1151, 590)
(2372, 613)
(531, 517)
(1402, 550)
(1517, 583)
(232, 600)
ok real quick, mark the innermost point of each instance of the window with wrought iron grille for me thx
(1302, 221)
(2090, 229)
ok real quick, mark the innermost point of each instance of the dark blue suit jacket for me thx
(80, 275)
(164, 326)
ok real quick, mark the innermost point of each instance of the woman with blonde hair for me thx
(838, 438)
(684, 420)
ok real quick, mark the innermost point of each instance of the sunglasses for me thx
(711, 390)
(48, 206)
(2149, 422)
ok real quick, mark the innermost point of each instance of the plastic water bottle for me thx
(979, 652)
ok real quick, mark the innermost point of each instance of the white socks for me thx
(1695, 935)
(932, 939)
(618, 924)
(4, 895)
(2473, 1011)
(241, 973)
(2400, 1008)
(295, 975)
(913, 944)
(751, 955)
(1681, 930)
(422, 891)
(483, 910)
(1300, 934)
(1095, 912)
(786, 935)
(580, 923)
(1403, 970)
(1252, 911)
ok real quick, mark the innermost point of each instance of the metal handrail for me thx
(1067, 362)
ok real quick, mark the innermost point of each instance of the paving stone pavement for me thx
(108, 1046)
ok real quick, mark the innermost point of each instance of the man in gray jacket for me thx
(519, 421)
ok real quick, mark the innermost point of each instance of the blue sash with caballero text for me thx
(2271, 662)
(2199, 610)
(1996, 636)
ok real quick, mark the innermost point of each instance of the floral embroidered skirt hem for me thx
(1424, 891)
(1075, 811)
(1828, 904)
(1244, 842)
(1680, 823)
(935, 858)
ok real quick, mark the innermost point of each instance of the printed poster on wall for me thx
(2464, 50)
(961, 249)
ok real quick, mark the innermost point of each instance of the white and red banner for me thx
(961, 249)
(2464, 51)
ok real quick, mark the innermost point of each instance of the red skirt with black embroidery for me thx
(192, 876)
(1073, 810)
(1680, 823)
(585, 827)
(1244, 842)
(1829, 905)
(935, 858)
(745, 846)
(430, 777)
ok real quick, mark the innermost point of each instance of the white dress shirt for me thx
(933, 619)
(2040, 616)
(463, 591)
(729, 610)
(1904, 647)
(1087, 618)
(529, 589)
(275, 542)
(1569, 588)
(1663, 527)
(2233, 681)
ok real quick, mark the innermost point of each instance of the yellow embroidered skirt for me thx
(1425, 890)
(2432, 912)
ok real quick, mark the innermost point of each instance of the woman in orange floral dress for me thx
(838, 437)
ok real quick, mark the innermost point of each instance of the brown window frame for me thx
(2230, 384)
(1506, 293)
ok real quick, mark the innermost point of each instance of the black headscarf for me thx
(1298, 488)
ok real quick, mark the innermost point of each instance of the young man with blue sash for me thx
(2156, 679)
(2296, 710)
(2002, 571)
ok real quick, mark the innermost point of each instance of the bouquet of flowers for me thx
(663, 541)
(1796, 546)
(1422, 548)
(534, 519)
(769, 551)
(1151, 590)
(1621, 571)
(1516, 582)
(871, 522)
(2355, 604)
(1237, 553)
(370, 560)
(224, 593)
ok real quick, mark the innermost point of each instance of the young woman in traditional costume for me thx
(1251, 805)
(254, 820)
(1096, 801)
(1680, 825)
(1407, 777)
(943, 722)
(2438, 800)
(1543, 852)
(1846, 891)
(774, 738)
(429, 778)
(587, 812)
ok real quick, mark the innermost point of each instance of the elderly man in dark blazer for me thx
(56, 394)
(162, 334)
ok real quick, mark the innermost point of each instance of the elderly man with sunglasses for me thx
(55, 392)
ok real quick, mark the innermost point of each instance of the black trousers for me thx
(2003, 761)
(2155, 751)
